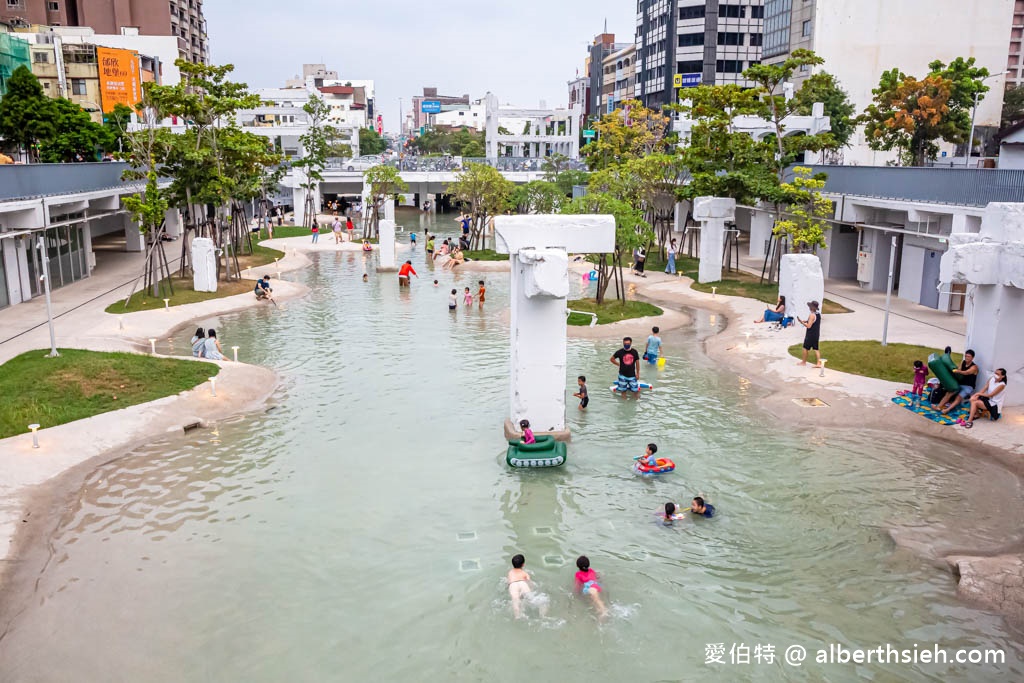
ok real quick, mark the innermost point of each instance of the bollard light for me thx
(167, 305)
(234, 350)
(748, 338)
(712, 318)
(714, 292)
(120, 322)
(213, 386)
(822, 373)
(35, 436)
(152, 345)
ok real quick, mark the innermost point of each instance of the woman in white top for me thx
(212, 348)
(990, 398)
(198, 343)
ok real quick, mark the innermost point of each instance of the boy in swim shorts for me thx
(582, 394)
(586, 584)
(519, 588)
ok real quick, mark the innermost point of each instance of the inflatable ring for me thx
(644, 386)
(663, 466)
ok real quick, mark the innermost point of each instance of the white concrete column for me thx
(389, 210)
(801, 281)
(386, 246)
(713, 213)
(299, 202)
(173, 220)
(134, 240)
(761, 223)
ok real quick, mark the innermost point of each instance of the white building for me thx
(533, 133)
(861, 39)
(474, 116)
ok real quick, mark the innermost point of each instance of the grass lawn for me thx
(611, 311)
(485, 255)
(736, 283)
(183, 294)
(80, 384)
(894, 362)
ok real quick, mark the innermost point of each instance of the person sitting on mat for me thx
(699, 507)
(774, 315)
(990, 398)
(967, 377)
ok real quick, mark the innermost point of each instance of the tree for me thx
(385, 184)
(315, 148)
(116, 123)
(463, 141)
(487, 193)
(26, 113)
(630, 132)
(804, 221)
(630, 231)
(908, 115)
(74, 136)
(823, 87)
(370, 142)
(1013, 107)
(537, 196)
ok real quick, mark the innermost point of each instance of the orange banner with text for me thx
(119, 78)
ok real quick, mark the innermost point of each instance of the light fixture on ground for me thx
(714, 292)
(213, 386)
(35, 435)
(167, 305)
(120, 322)
(234, 350)
(152, 345)
(748, 337)
(822, 373)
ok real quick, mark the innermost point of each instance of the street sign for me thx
(677, 81)
(611, 106)
(686, 80)
(430, 106)
(589, 134)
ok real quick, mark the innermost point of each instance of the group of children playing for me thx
(467, 296)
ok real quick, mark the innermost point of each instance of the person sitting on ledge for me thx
(263, 290)
(774, 315)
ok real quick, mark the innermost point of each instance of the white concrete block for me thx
(204, 265)
(576, 234)
(801, 281)
(1003, 222)
(386, 244)
(712, 244)
(705, 208)
(549, 275)
(761, 223)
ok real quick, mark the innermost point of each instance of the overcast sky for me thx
(523, 51)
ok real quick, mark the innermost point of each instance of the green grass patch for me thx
(485, 255)
(611, 311)
(183, 294)
(80, 384)
(893, 363)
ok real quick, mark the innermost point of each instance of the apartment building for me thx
(619, 78)
(685, 43)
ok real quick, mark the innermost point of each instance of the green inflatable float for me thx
(545, 453)
(942, 367)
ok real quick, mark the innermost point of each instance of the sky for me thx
(523, 51)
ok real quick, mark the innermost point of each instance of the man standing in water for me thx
(403, 274)
(628, 361)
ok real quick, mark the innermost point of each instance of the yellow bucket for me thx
(661, 362)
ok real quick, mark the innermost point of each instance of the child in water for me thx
(671, 513)
(528, 436)
(699, 507)
(586, 584)
(365, 277)
(467, 297)
(582, 394)
(519, 588)
(435, 283)
(453, 300)
(481, 292)
(648, 457)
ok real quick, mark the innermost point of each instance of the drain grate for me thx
(554, 561)
(469, 565)
(543, 530)
(466, 536)
(810, 403)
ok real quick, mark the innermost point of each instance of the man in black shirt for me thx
(628, 361)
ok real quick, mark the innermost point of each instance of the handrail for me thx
(593, 316)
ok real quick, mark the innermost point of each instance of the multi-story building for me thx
(182, 19)
(422, 119)
(579, 94)
(618, 81)
(14, 52)
(683, 43)
(860, 40)
(602, 46)
(1014, 63)
(317, 72)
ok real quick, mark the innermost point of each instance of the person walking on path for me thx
(639, 258)
(316, 230)
(812, 336)
(671, 267)
(336, 227)
(627, 359)
(349, 226)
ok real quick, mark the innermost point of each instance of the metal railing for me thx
(954, 186)
(28, 181)
(415, 164)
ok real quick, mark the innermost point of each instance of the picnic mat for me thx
(926, 410)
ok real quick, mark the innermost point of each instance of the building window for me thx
(696, 12)
(694, 66)
(755, 39)
(78, 86)
(52, 6)
(757, 11)
(46, 85)
(732, 11)
(15, 4)
(41, 57)
(691, 39)
(806, 31)
(730, 38)
(729, 66)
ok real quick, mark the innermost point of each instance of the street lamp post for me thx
(974, 115)
(46, 288)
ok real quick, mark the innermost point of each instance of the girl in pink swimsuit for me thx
(586, 584)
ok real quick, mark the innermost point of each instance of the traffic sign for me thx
(686, 80)
(589, 134)
(430, 106)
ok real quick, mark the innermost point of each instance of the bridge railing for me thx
(415, 164)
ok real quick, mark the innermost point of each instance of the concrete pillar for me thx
(204, 265)
(713, 213)
(389, 209)
(386, 245)
(299, 202)
(538, 247)
(134, 240)
(173, 221)
(761, 223)
(801, 281)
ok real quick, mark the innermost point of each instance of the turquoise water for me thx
(361, 529)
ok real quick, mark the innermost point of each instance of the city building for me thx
(579, 94)
(14, 52)
(618, 80)
(531, 133)
(182, 19)
(315, 75)
(861, 40)
(463, 116)
(1014, 63)
(685, 43)
(423, 117)
(602, 46)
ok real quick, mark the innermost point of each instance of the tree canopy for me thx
(823, 87)
(460, 142)
(370, 142)
(627, 133)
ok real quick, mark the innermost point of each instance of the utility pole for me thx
(46, 288)
(888, 290)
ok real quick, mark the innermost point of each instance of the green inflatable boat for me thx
(943, 367)
(545, 453)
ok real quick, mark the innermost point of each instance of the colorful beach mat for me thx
(926, 410)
